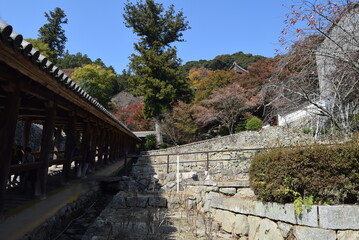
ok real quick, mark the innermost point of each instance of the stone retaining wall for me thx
(250, 142)
(269, 137)
(220, 168)
(234, 207)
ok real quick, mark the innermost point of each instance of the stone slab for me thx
(227, 219)
(339, 217)
(241, 226)
(235, 184)
(308, 233)
(260, 229)
(344, 235)
(274, 211)
(228, 190)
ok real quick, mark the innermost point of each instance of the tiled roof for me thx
(238, 68)
(16, 41)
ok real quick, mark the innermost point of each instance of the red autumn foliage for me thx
(258, 74)
(132, 116)
(225, 105)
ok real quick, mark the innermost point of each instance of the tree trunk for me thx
(158, 126)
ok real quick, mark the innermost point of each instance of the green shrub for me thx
(163, 146)
(150, 142)
(321, 173)
(254, 124)
(240, 126)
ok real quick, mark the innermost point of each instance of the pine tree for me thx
(53, 34)
(158, 73)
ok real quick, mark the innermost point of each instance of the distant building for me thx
(238, 69)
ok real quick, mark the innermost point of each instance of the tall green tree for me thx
(96, 81)
(53, 34)
(158, 74)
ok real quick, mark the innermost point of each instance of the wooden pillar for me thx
(26, 134)
(127, 151)
(123, 144)
(118, 148)
(112, 147)
(70, 146)
(94, 140)
(86, 142)
(120, 154)
(57, 143)
(78, 137)
(100, 147)
(7, 134)
(105, 150)
(46, 148)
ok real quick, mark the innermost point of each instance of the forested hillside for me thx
(223, 62)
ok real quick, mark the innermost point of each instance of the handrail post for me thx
(168, 164)
(177, 172)
(207, 162)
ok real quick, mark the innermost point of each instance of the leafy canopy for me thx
(96, 81)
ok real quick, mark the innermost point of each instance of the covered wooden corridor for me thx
(34, 91)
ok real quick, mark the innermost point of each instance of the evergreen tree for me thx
(53, 34)
(73, 60)
(158, 75)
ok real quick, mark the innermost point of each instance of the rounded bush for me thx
(330, 174)
(150, 143)
(254, 124)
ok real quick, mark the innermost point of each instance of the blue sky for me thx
(217, 27)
